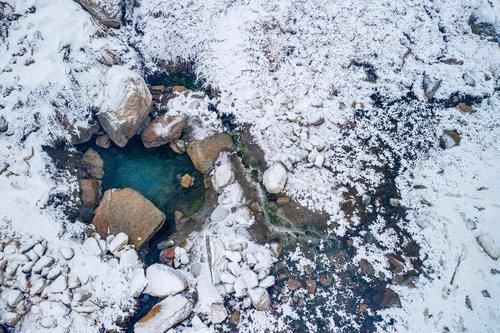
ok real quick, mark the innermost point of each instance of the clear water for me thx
(155, 173)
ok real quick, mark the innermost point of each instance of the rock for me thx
(394, 202)
(4, 126)
(93, 164)
(187, 181)
(203, 153)
(390, 299)
(13, 297)
(489, 246)
(430, 87)
(222, 177)
(218, 313)
(233, 256)
(164, 281)
(282, 201)
(366, 267)
(319, 160)
(103, 141)
(311, 286)
(120, 240)
(240, 287)
(37, 285)
(227, 277)
(126, 104)
(138, 283)
(235, 318)
(58, 285)
(219, 213)
(274, 178)
(90, 192)
(164, 315)
(250, 277)
(234, 268)
(178, 215)
(260, 298)
(294, 284)
(179, 89)
(42, 263)
(462, 107)
(178, 146)
(91, 246)
(108, 12)
(126, 210)
(449, 139)
(469, 79)
(162, 130)
(267, 282)
(483, 23)
(67, 252)
(366, 199)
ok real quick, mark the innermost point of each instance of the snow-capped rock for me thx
(164, 315)
(218, 313)
(118, 242)
(109, 12)
(126, 104)
(164, 281)
(162, 130)
(67, 252)
(223, 174)
(260, 298)
(274, 178)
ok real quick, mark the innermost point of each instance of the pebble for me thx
(251, 279)
(39, 249)
(42, 263)
(311, 286)
(294, 284)
(59, 285)
(366, 199)
(227, 277)
(91, 246)
(120, 240)
(267, 282)
(394, 202)
(218, 313)
(37, 285)
(233, 256)
(14, 297)
(54, 273)
(234, 268)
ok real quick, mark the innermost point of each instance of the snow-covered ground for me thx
(311, 77)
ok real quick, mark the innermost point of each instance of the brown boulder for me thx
(107, 12)
(92, 164)
(203, 153)
(126, 210)
(162, 130)
(90, 192)
(294, 284)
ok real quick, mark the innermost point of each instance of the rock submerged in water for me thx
(274, 178)
(162, 130)
(203, 153)
(108, 12)
(126, 105)
(126, 210)
(164, 315)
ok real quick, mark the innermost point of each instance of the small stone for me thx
(311, 286)
(366, 199)
(120, 240)
(179, 89)
(67, 253)
(267, 282)
(274, 178)
(234, 256)
(394, 202)
(235, 318)
(260, 298)
(91, 246)
(4, 126)
(14, 297)
(294, 284)
(281, 201)
(469, 79)
(218, 313)
(37, 285)
(234, 268)
(227, 277)
(103, 141)
(362, 307)
(462, 107)
(54, 273)
(178, 215)
(42, 263)
(48, 322)
(39, 249)
(254, 206)
(366, 267)
(390, 299)
(187, 181)
(250, 277)
(73, 282)
(326, 281)
(449, 139)
(59, 285)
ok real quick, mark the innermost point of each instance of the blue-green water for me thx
(155, 174)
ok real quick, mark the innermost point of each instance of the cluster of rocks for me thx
(35, 278)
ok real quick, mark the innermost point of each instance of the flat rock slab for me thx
(126, 210)
(164, 315)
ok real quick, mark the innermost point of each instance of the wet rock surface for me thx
(203, 153)
(126, 210)
(162, 130)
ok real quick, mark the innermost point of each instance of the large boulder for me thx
(126, 104)
(203, 153)
(162, 130)
(274, 178)
(164, 315)
(108, 12)
(126, 210)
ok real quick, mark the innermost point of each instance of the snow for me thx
(282, 75)
(274, 178)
